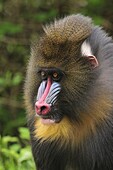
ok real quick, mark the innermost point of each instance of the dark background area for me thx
(21, 23)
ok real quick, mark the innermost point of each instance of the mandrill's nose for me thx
(42, 108)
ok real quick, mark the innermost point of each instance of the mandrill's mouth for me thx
(53, 117)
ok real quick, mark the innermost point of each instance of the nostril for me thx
(45, 109)
(42, 108)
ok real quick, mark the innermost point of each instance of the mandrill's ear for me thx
(93, 60)
(86, 52)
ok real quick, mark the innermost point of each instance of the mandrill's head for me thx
(61, 71)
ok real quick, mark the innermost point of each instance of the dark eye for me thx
(56, 76)
(43, 75)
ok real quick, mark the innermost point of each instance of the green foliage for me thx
(21, 23)
(9, 28)
(9, 80)
(95, 9)
(24, 133)
(12, 155)
(43, 16)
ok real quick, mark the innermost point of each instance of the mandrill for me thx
(69, 96)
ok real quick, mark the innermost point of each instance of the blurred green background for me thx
(21, 23)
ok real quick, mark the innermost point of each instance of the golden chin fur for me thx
(74, 133)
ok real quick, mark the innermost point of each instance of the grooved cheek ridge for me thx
(46, 91)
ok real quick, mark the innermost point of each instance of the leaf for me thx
(15, 147)
(24, 133)
(7, 139)
(25, 154)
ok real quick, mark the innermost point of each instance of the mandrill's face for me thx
(61, 89)
(46, 105)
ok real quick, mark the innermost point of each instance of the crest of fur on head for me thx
(68, 32)
(72, 28)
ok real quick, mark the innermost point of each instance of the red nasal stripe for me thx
(46, 90)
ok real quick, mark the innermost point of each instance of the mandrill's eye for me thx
(56, 76)
(43, 75)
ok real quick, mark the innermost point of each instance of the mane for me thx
(102, 48)
(72, 28)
